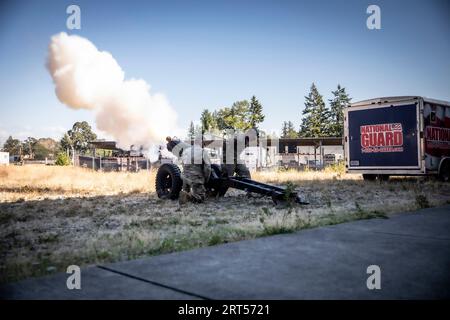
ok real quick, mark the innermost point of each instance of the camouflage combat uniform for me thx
(194, 175)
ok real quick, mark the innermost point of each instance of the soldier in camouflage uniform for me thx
(196, 170)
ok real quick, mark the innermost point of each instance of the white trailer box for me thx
(397, 136)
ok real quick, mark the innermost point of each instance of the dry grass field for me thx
(52, 217)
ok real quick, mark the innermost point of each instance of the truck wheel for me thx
(369, 177)
(444, 172)
(383, 177)
(168, 181)
(214, 187)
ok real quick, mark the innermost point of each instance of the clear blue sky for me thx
(207, 54)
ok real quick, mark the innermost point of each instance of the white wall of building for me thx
(4, 158)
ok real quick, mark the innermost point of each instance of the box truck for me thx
(390, 136)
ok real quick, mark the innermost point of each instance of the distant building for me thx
(4, 158)
(296, 153)
(287, 152)
(310, 152)
(14, 158)
(106, 156)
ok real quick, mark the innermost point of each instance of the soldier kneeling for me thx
(196, 169)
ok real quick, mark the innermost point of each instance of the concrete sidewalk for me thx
(412, 250)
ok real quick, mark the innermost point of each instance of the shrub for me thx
(338, 167)
(289, 194)
(215, 239)
(277, 228)
(62, 159)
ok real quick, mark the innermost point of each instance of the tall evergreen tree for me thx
(291, 132)
(191, 131)
(337, 104)
(316, 116)
(284, 129)
(288, 130)
(208, 121)
(256, 113)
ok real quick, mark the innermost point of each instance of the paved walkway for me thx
(412, 250)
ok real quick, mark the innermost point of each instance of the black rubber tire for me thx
(168, 182)
(369, 177)
(444, 172)
(383, 177)
(213, 189)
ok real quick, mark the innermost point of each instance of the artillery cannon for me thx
(169, 183)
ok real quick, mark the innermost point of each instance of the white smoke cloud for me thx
(86, 78)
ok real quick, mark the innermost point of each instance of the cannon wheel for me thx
(215, 189)
(168, 181)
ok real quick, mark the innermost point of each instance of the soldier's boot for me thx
(198, 193)
(227, 170)
(184, 193)
(184, 197)
(242, 171)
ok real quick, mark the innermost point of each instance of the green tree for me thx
(46, 148)
(223, 117)
(62, 159)
(208, 121)
(13, 146)
(191, 131)
(41, 152)
(284, 129)
(242, 115)
(288, 130)
(316, 116)
(241, 111)
(29, 146)
(78, 137)
(256, 115)
(65, 143)
(236, 117)
(337, 104)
